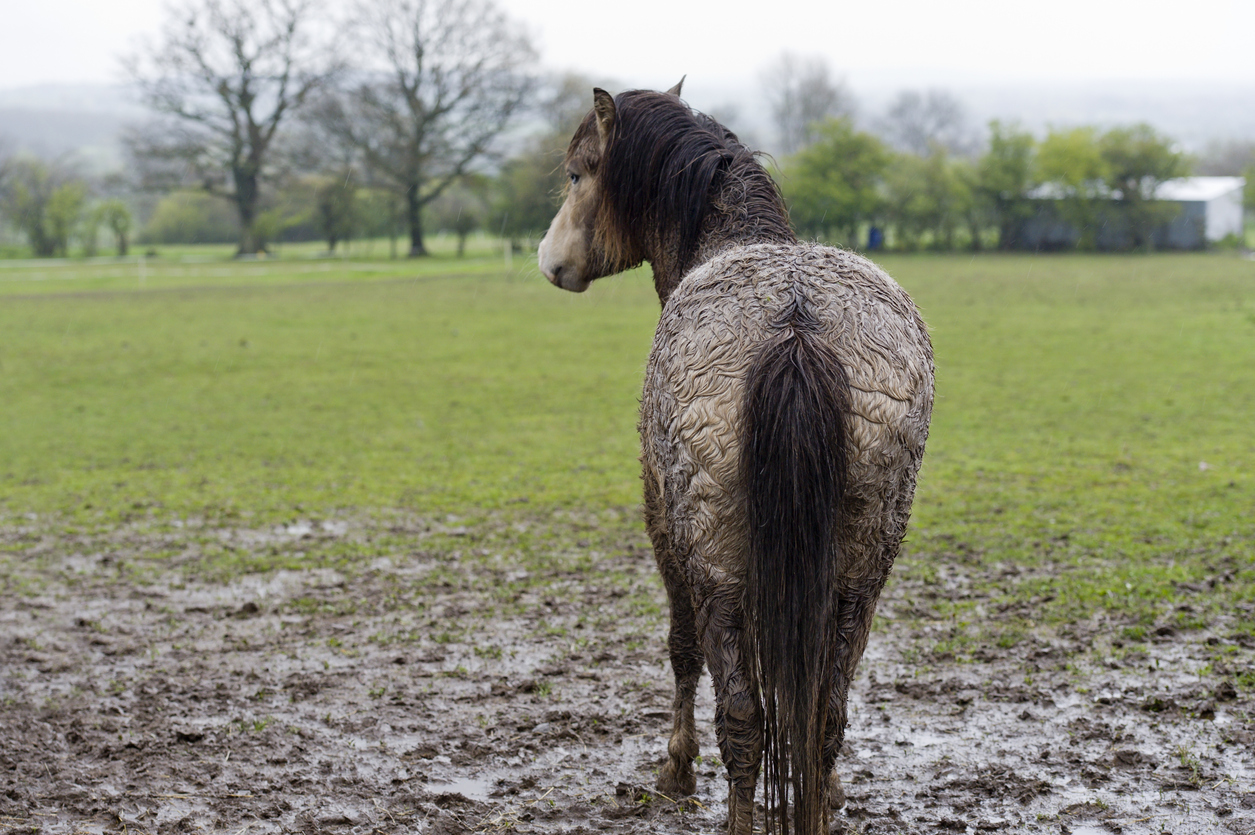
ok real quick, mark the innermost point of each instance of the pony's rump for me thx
(793, 464)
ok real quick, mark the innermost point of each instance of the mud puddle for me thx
(472, 681)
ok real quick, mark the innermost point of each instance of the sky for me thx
(869, 42)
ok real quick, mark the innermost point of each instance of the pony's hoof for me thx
(836, 792)
(674, 782)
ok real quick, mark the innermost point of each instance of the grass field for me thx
(1091, 410)
(305, 534)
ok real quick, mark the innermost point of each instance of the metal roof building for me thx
(1212, 203)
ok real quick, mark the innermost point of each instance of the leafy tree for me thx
(832, 184)
(946, 197)
(191, 217)
(115, 215)
(462, 209)
(975, 211)
(1137, 160)
(932, 195)
(906, 205)
(454, 75)
(1004, 176)
(45, 202)
(802, 95)
(337, 209)
(527, 194)
(273, 222)
(224, 77)
(382, 215)
(1072, 162)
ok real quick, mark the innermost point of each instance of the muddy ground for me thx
(401, 674)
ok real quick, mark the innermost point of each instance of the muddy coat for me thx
(710, 329)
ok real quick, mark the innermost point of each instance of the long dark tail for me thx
(793, 463)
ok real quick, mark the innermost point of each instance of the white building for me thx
(1210, 204)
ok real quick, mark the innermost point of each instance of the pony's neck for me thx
(745, 212)
(670, 266)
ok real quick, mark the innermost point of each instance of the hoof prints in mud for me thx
(485, 685)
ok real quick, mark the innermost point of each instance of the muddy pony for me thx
(785, 409)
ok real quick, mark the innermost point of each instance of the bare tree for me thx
(802, 94)
(916, 121)
(224, 76)
(1227, 158)
(564, 99)
(6, 161)
(454, 73)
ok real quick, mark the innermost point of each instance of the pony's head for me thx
(588, 238)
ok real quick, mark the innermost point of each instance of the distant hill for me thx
(1195, 113)
(84, 121)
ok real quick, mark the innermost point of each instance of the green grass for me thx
(194, 266)
(1073, 392)
(289, 394)
(1093, 412)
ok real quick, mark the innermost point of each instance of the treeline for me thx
(53, 208)
(274, 122)
(854, 187)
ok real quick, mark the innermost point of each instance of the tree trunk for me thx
(1008, 232)
(122, 244)
(246, 205)
(414, 216)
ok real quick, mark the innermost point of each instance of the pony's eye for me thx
(575, 178)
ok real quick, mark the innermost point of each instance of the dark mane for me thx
(674, 181)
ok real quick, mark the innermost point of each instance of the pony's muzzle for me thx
(556, 260)
(559, 275)
(564, 277)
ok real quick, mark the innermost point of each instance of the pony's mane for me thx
(670, 172)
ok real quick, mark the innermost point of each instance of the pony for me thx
(785, 409)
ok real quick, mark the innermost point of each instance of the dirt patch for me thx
(408, 676)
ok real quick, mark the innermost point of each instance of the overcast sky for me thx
(870, 42)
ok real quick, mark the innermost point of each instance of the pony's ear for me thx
(603, 106)
(675, 91)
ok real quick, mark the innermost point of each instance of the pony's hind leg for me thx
(738, 714)
(855, 611)
(870, 548)
(676, 777)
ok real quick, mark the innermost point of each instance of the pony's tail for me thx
(793, 464)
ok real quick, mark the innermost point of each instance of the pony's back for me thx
(723, 312)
